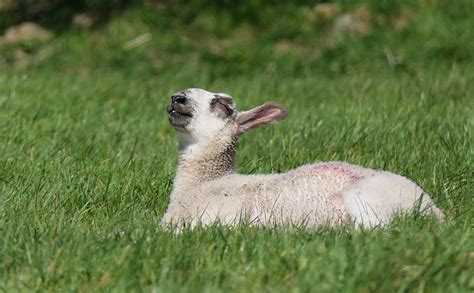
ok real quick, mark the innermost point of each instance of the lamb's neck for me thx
(204, 162)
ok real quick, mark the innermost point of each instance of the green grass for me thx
(87, 156)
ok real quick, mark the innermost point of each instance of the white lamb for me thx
(206, 188)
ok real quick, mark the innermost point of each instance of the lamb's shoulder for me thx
(219, 199)
(233, 185)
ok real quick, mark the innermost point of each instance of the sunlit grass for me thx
(87, 159)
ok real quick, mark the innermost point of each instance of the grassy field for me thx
(87, 156)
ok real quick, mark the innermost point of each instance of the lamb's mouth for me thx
(179, 119)
(174, 112)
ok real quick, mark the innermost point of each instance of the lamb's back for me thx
(309, 195)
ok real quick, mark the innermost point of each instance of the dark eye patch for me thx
(223, 106)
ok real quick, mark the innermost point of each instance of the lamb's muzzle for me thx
(207, 189)
(179, 111)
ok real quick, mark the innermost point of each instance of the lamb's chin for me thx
(179, 121)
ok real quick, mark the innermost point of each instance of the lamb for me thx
(206, 188)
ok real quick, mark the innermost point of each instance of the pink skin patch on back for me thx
(341, 168)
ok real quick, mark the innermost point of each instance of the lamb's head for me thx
(202, 116)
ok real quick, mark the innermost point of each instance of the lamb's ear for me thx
(264, 114)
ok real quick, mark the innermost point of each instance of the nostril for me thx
(179, 99)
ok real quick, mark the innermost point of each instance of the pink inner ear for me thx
(267, 116)
(264, 114)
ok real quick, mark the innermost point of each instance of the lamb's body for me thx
(206, 188)
(329, 193)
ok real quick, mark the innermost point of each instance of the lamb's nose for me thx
(179, 99)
